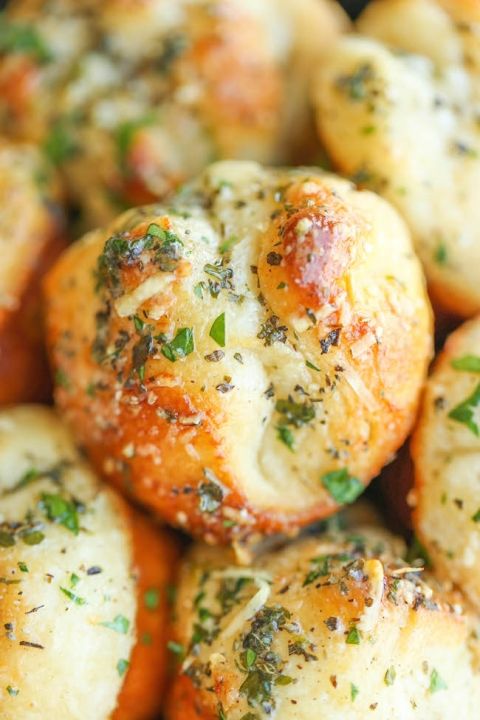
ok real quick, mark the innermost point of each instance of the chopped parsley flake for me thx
(356, 85)
(73, 597)
(353, 692)
(436, 682)
(13, 692)
(468, 363)
(61, 511)
(6, 539)
(285, 435)
(226, 246)
(222, 278)
(181, 346)
(60, 145)
(169, 251)
(176, 648)
(353, 636)
(266, 667)
(22, 567)
(221, 713)
(441, 255)
(217, 331)
(119, 624)
(62, 379)
(342, 486)
(32, 537)
(465, 412)
(151, 598)
(125, 135)
(296, 414)
(122, 667)
(320, 568)
(476, 516)
(22, 38)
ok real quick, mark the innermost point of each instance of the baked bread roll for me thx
(446, 455)
(398, 112)
(248, 357)
(31, 237)
(82, 584)
(131, 98)
(336, 626)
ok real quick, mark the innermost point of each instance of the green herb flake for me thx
(181, 346)
(436, 682)
(122, 667)
(265, 672)
(390, 676)
(176, 648)
(343, 488)
(353, 692)
(226, 246)
(125, 136)
(312, 366)
(73, 597)
(24, 39)
(441, 254)
(217, 331)
(22, 567)
(465, 412)
(91, 390)
(62, 379)
(32, 537)
(296, 414)
(320, 568)
(476, 516)
(6, 539)
(151, 598)
(467, 363)
(357, 85)
(221, 713)
(138, 323)
(13, 692)
(28, 477)
(61, 511)
(8, 581)
(59, 145)
(285, 435)
(119, 624)
(199, 289)
(353, 636)
(249, 657)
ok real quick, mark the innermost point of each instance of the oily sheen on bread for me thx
(83, 582)
(246, 358)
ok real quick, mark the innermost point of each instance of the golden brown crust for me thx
(337, 625)
(83, 584)
(131, 99)
(155, 556)
(397, 111)
(31, 238)
(446, 455)
(315, 367)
